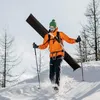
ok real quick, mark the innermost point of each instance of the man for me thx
(55, 42)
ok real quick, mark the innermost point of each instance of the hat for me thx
(53, 23)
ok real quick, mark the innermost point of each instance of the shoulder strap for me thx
(58, 36)
(48, 37)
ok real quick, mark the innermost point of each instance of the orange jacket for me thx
(54, 47)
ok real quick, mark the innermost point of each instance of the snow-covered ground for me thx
(72, 87)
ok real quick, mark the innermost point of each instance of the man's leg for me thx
(52, 71)
(57, 64)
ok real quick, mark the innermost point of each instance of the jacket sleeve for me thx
(67, 39)
(45, 43)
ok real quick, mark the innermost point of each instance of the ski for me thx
(34, 23)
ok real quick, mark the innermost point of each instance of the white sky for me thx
(69, 14)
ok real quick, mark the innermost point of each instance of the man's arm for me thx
(45, 43)
(67, 39)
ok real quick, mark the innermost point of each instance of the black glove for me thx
(78, 39)
(35, 45)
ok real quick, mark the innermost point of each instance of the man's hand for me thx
(35, 45)
(78, 39)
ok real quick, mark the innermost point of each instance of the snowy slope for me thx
(72, 87)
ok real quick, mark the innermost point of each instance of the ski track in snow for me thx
(31, 92)
(72, 88)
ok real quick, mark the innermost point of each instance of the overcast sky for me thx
(69, 14)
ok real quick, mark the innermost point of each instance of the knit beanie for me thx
(53, 23)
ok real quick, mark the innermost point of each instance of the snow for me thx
(71, 87)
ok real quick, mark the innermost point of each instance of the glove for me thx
(35, 45)
(78, 39)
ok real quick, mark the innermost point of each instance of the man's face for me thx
(51, 28)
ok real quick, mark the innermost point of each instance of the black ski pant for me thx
(54, 74)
